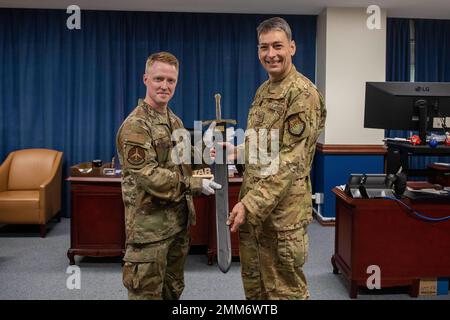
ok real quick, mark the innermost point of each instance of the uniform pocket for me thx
(141, 269)
(162, 148)
(248, 252)
(265, 119)
(128, 275)
(292, 248)
(137, 253)
(162, 143)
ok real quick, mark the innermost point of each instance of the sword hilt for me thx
(220, 123)
(218, 111)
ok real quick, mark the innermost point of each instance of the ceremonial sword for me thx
(221, 177)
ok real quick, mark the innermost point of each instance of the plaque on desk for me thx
(109, 171)
(203, 173)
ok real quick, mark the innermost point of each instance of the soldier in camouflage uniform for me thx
(275, 209)
(156, 192)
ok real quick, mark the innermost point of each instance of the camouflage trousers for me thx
(271, 263)
(155, 271)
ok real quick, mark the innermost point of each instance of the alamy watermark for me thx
(74, 280)
(74, 20)
(374, 20)
(374, 280)
(262, 146)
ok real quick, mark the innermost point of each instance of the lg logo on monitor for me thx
(422, 89)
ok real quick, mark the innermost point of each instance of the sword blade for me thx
(221, 177)
(222, 229)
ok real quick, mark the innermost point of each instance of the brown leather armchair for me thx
(30, 187)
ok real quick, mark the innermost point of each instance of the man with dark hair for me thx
(275, 206)
(157, 192)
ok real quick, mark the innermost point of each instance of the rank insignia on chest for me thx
(259, 117)
(136, 156)
(276, 106)
(296, 126)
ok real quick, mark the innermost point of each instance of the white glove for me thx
(208, 186)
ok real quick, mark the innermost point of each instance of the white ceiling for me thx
(437, 9)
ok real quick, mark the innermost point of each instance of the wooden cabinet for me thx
(199, 231)
(98, 220)
(383, 233)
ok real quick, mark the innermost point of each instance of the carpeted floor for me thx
(35, 268)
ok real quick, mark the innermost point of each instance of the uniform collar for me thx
(156, 117)
(279, 88)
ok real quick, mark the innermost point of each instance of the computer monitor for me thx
(418, 106)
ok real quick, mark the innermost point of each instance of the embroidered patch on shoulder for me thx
(136, 155)
(296, 125)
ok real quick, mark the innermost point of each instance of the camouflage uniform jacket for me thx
(281, 200)
(157, 193)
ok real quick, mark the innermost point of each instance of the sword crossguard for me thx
(220, 123)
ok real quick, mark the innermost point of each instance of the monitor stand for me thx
(423, 120)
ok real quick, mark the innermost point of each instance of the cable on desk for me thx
(417, 213)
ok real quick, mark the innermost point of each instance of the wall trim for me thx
(351, 149)
(324, 222)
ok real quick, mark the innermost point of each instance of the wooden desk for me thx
(98, 221)
(381, 232)
(97, 226)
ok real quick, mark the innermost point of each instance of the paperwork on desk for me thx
(418, 192)
(444, 164)
(427, 193)
(430, 191)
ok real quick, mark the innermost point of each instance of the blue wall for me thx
(332, 170)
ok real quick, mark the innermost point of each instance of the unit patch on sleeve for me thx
(296, 125)
(136, 155)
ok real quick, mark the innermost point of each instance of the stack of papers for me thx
(429, 191)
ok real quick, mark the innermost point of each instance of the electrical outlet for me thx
(319, 198)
